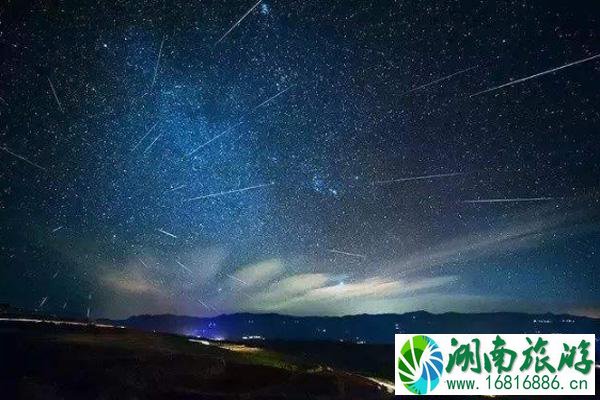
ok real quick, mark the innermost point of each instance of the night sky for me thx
(302, 157)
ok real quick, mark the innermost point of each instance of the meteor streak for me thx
(151, 144)
(271, 98)
(175, 188)
(158, 61)
(5, 149)
(219, 194)
(166, 233)
(205, 305)
(43, 302)
(345, 253)
(238, 22)
(444, 78)
(417, 178)
(536, 75)
(183, 266)
(55, 96)
(144, 137)
(514, 200)
(239, 123)
(236, 279)
(213, 139)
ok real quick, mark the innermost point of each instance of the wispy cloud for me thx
(307, 292)
(134, 283)
(303, 285)
(291, 287)
(526, 231)
(260, 273)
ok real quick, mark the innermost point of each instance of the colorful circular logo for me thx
(420, 364)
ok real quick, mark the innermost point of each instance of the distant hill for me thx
(362, 328)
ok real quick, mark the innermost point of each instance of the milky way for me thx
(299, 157)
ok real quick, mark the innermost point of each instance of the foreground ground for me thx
(41, 360)
(48, 361)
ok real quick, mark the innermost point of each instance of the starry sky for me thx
(302, 157)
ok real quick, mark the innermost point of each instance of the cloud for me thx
(527, 231)
(306, 293)
(130, 284)
(264, 288)
(260, 273)
(316, 287)
(205, 263)
(291, 287)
